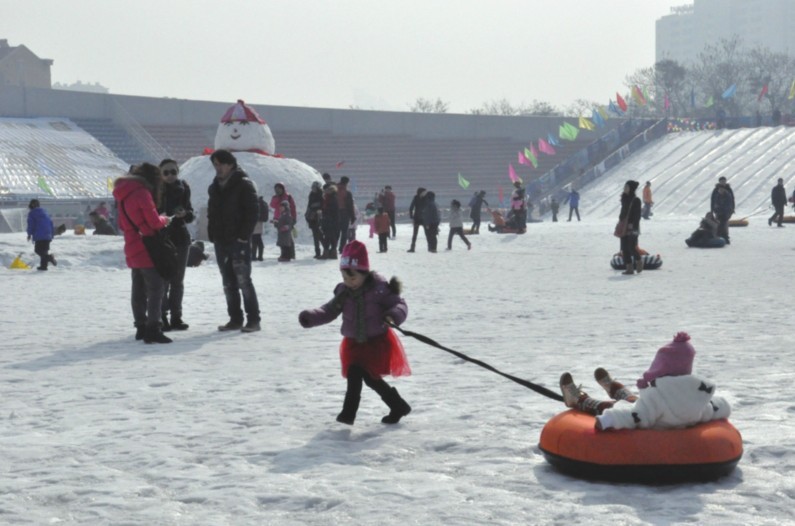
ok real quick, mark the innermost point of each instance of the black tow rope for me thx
(530, 385)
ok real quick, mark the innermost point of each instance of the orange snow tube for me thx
(703, 452)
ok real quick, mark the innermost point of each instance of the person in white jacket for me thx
(670, 395)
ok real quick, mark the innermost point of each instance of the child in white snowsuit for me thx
(670, 396)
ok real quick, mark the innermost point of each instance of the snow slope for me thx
(235, 429)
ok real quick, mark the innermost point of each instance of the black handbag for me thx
(160, 248)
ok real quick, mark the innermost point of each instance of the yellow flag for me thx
(603, 112)
(110, 185)
(792, 91)
(586, 124)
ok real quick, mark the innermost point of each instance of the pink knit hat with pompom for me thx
(673, 359)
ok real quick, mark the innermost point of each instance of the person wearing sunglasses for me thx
(176, 204)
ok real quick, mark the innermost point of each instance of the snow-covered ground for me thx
(238, 429)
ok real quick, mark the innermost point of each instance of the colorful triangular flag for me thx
(512, 175)
(597, 119)
(568, 132)
(614, 109)
(603, 112)
(545, 147)
(710, 102)
(666, 102)
(462, 182)
(621, 102)
(586, 124)
(553, 140)
(531, 156)
(42, 183)
(792, 91)
(729, 93)
(109, 182)
(339, 164)
(762, 93)
(637, 95)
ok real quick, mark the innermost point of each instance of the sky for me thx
(344, 53)
(231, 429)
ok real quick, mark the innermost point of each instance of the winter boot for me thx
(349, 408)
(177, 324)
(164, 325)
(51, 259)
(155, 335)
(140, 330)
(231, 325)
(577, 399)
(251, 326)
(571, 392)
(615, 389)
(629, 270)
(398, 408)
(639, 265)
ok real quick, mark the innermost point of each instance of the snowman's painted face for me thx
(243, 136)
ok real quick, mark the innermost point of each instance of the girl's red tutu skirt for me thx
(379, 356)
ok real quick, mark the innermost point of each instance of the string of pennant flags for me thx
(530, 155)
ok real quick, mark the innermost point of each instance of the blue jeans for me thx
(234, 262)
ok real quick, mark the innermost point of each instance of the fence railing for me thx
(123, 119)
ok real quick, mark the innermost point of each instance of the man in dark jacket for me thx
(415, 213)
(430, 220)
(779, 198)
(475, 205)
(232, 212)
(722, 206)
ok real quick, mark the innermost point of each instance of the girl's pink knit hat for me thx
(354, 257)
(673, 359)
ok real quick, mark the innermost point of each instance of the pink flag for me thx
(512, 174)
(666, 102)
(523, 159)
(545, 147)
(533, 151)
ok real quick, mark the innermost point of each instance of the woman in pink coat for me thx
(137, 194)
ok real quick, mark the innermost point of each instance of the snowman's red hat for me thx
(242, 112)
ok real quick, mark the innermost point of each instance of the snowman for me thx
(243, 132)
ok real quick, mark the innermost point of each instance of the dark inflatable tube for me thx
(715, 242)
(649, 262)
(700, 453)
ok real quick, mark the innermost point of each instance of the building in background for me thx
(682, 35)
(19, 66)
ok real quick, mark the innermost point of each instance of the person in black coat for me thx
(630, 212)
(722, 206)
(314, 208)
(779, 198)
(415, 213)
(330, 221)
(232, 211)
(175, 203)
(475, 206)
(430, 220)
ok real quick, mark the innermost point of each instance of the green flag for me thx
(710, 102)
(44, 186)
(568, 132)
(463, 182)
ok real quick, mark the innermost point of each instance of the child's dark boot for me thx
(398, 408)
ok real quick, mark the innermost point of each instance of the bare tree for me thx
(422, 105)
(581, 107)
(717, 68)
(776, 70)
(670, 78)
